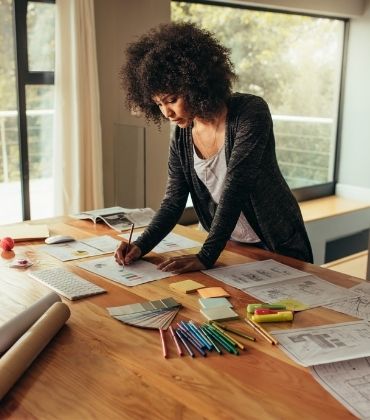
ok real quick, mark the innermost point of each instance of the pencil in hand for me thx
(129, 241)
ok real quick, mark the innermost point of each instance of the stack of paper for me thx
(151, 314)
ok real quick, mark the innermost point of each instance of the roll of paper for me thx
(17, 326)
(20, 356)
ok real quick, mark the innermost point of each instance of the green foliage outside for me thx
(40, 23)
(293, 62)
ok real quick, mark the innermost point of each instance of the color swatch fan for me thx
(151, 314)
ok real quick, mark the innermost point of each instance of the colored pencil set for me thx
(202, 338)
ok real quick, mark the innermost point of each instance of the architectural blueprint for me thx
(326, 344)
(246, 275)
(358, 305)
(310, 290)
(348, 382)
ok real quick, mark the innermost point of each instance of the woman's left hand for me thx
(182, 264)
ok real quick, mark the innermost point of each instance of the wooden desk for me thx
(97, 367)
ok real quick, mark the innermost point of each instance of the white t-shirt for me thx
(212, 173)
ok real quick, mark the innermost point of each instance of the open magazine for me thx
(119, 218)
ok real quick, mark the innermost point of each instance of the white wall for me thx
(119, 22)
(354, 173)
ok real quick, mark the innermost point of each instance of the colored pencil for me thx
(238, 343)
(192, 341)
(190, 335)
(200, 337)
(164, 348)
(178, 348)
(217, 331)
(129, 239)
(217, 336)
(204, 336)
(182, 339)
(261, 331)
(205, 332)
(236, 332)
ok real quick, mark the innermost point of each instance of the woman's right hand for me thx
(125, 255)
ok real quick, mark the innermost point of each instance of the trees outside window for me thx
(294, 62)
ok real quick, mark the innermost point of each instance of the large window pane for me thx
(40, 117)
(10, 185)
(40, 36)
(294, 63)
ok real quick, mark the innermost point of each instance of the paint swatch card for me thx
(211, 292)
(130, 275)
(186, 286)
(221, 313)
(151, 314)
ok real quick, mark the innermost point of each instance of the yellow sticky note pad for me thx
(186, 286)
(210, 292)
(292, 304)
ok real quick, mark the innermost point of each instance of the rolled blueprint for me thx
(20, 356)
(17, 326)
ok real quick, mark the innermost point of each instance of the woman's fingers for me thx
(181, 264)
(124, 255)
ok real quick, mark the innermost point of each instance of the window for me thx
(26, 109)
(294, 62)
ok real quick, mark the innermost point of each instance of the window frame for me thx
(25, 77)
(328, 188)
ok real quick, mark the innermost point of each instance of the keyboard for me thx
(66, 283)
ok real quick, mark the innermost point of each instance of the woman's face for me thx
(173, 107)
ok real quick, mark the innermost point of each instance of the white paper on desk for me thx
(256, 273)
(358, 306)
(172, 242)
(310, 290)
(17, 326)
(89, 247)
(326, 344)
(137, 273)
(348, 382)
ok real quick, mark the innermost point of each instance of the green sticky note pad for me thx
(214, 302)
(292, 304)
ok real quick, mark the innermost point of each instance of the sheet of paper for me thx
(88, 247)
(348, 382)
(172, 242)
(246, 275)
(309, 290)
(358, 305)
(137, 273)
(326, 344)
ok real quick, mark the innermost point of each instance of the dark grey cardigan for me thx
(253, 185)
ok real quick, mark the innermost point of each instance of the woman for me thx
(222, 153)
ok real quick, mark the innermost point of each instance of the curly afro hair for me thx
(179, 59)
